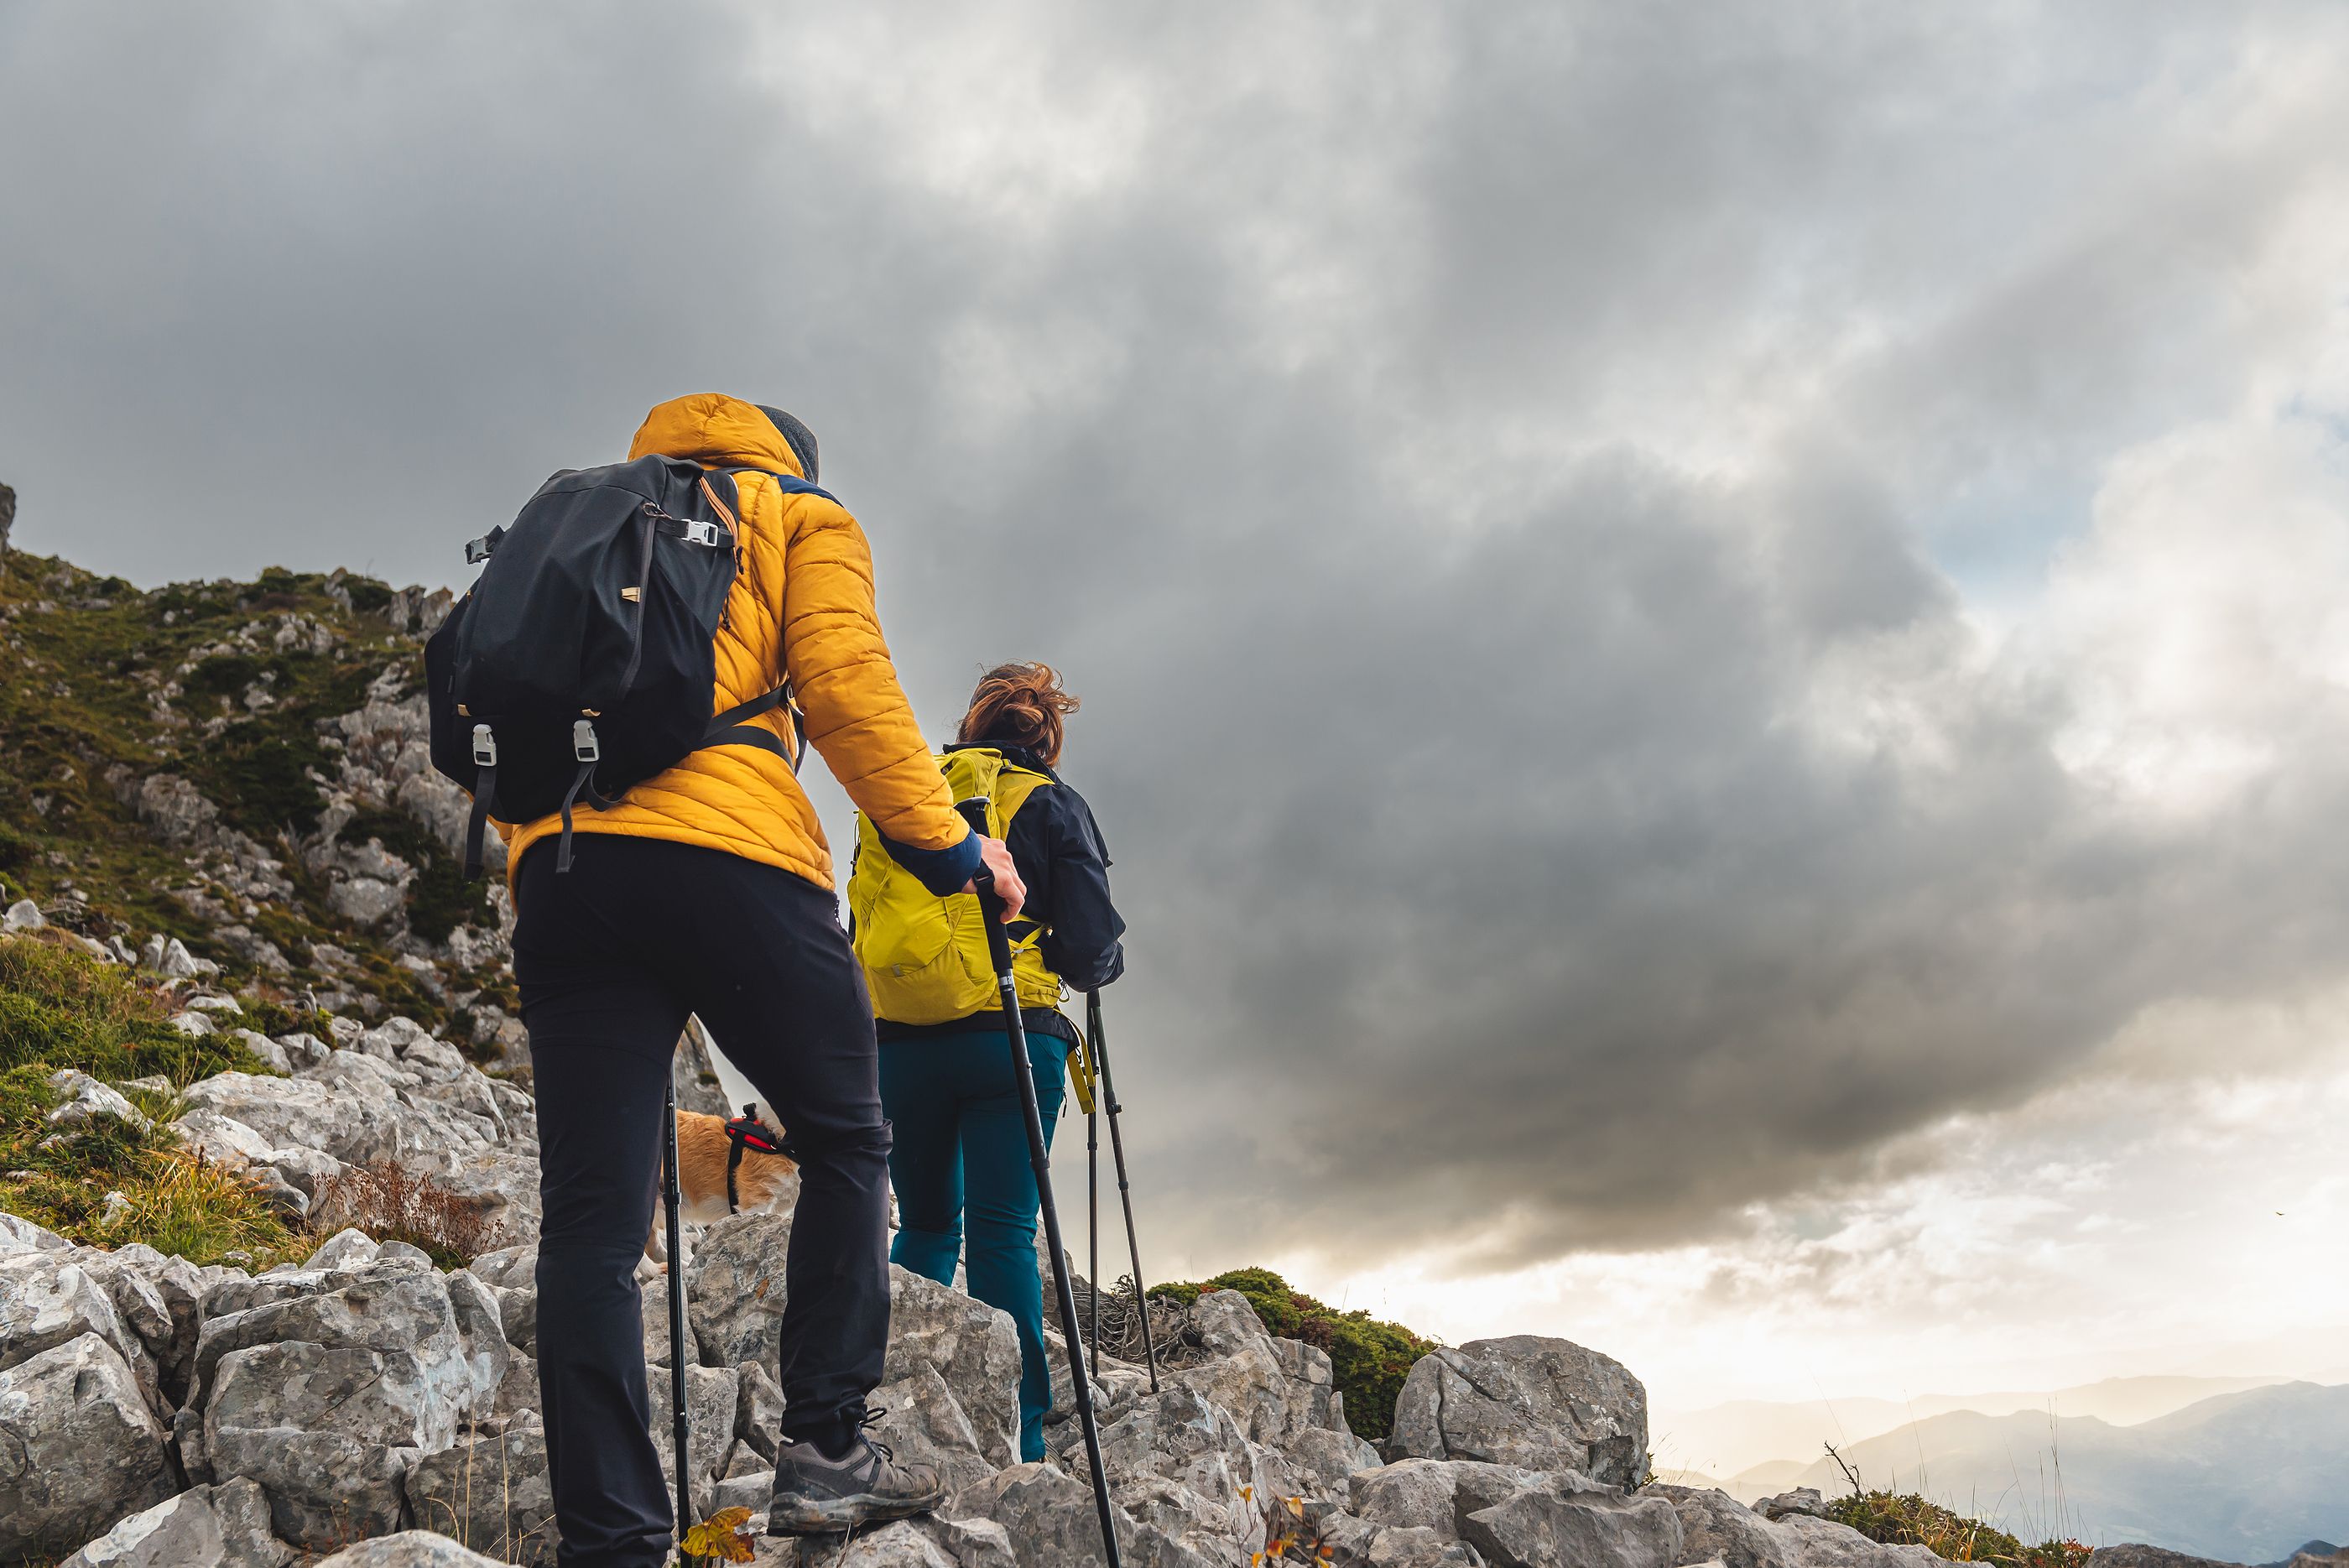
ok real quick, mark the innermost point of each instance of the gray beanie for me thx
(801, 439)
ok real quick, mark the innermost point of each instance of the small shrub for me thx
(1368, 1358)
(392, 1203)
(1907, 1518)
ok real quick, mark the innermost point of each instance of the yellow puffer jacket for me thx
(801, 607)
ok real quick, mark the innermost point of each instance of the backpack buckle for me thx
(583, 743)
(700, 533)
(485, 747)
(481, 549)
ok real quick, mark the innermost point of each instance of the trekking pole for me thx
(669, 1200)
(998, 949)
(1105, 1092)
(1092, 1224)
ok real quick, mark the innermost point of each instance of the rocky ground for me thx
(157, 1412)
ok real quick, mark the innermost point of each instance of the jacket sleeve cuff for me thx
(942, 871)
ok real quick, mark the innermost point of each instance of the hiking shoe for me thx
(815, 1495)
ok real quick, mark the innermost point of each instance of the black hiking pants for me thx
(611, 957)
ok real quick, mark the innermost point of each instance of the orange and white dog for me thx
(762, 1182)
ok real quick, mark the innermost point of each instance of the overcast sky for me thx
(1711, 638)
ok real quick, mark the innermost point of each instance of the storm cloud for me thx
(1643, 580)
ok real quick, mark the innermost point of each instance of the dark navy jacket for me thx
(1058, 848)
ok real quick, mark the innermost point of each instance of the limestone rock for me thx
(491, 1493)
(734, 1286)
(408, 1548)
(204, 1527)
(18, 1234)
(328, 1433)
(1814, 1542)
(1436, 1494)
(1802, 1499)
(926, 1425)
(1716, 1526)
(1544, 1404)
(2136, 1554)
(78, 1447)
(1278, 1387)
(1565, 1521)
(759, 1415)
(82, 1099)
(710, 1398)
(971, 1346)
(46, 1300)
(24, 915)
(1050, 1522)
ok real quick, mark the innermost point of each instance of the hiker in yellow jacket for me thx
(708, 889)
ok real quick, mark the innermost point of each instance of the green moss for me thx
(368, 595)
(61, 1009)
(1368, 1358)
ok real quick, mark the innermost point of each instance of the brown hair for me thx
(1022, 704)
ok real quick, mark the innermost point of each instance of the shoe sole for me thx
(844, 1514)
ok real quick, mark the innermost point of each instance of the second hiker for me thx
(960, 1160)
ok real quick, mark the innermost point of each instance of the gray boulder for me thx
(159, 1300)
(1565, 1521)
(2136, 1554)
(330, 1385)
(78, 1447)
(1178, 1438)
(18, 1234)
(1802, 1499)
(1436, 1494)
(204, 1527)
(1814, 1542)
(82, 1099)
(1717, 1527)
(971, 1346)
(710, 1394)
(758, 1412)
(1278, 1388)
(1542, 1404)
(408, 1548)
(48, 1299)
(492, 1494)
(734, 1287)
(1049, 1521)
(926, 1425)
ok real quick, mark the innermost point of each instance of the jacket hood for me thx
(714, 429)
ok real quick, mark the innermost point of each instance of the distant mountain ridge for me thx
(2244, 1476)
(1783, 1437)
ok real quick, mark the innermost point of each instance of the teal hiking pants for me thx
(961, 1149)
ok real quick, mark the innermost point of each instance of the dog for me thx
(762, 1182)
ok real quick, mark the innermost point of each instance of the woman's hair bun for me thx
(1020, 703)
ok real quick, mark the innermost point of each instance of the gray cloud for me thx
(1456, 455)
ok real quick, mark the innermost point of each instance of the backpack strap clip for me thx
(481, 549)
(589, 752)
(486, 789)
(745, 1131)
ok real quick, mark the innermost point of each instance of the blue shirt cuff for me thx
(942, 871)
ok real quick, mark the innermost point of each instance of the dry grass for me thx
(392, 1203)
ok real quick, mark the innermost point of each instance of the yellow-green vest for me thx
(925, 958)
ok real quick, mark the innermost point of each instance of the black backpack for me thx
(581, 663)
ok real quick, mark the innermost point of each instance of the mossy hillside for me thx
(1368, 1358)
(100, 682)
